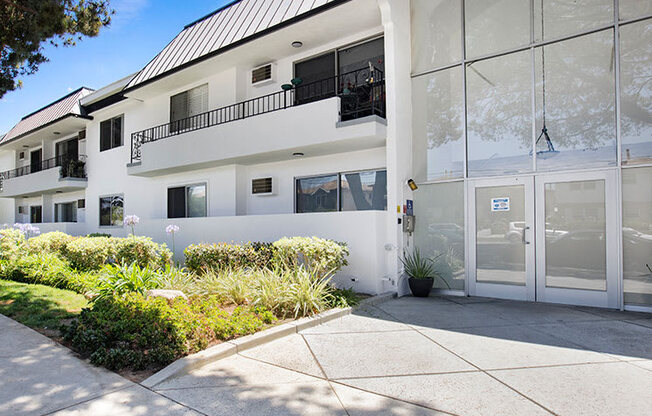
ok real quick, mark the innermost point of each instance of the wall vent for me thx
(21, 156)
(81, 135)
(262, 186)
(81, 203)
(262, 75)
(21, 209)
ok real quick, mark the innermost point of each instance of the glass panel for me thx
(196, 198)
(575, 101)
(364, 191)
(500, 252)
(105, 211)
(637, 235)
(636, 92)
(117, 211)
(631, 9)
(439, 232)
(321, 68)
(499, 121)
(105, 135)
(575, 235)
(496, 25)
(563, 17)
(361, 56)
(438, 125)
(117, 132)
(318, 194)
(36, 215)
(177, 202)
(436, 33)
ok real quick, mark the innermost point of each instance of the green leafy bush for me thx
(48, 269)
(99, 235)
(201, 258)
(142, 251)
(315, 254)
(117, 280)
(86, 253)
(133, 332)
(53, 242)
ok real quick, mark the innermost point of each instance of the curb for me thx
(226, 349)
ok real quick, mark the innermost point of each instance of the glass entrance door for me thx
(550, 238)
(501, 235)
(577, 239)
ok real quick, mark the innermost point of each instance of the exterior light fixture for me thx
(297, 44)
(297, 154)
(413, 186)
(56, 132)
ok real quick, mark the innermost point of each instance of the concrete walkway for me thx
(405, 357)
(436, 356)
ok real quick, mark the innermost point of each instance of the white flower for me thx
(171, 229)
(131, 220)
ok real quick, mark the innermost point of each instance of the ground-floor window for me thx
(36, 214)
(111, 210)
(187, 201)
(350, 191)
(65, 212)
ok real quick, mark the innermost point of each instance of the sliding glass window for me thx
(351, 191)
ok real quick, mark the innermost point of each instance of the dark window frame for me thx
(111, 142)
(185, 200)
(114, 198)
(57, 206)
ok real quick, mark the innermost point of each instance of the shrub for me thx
(173, 278)
(229, 284)
(118, 280)
(48, 269)
(99, 235)
(90, 253)
(12, 242)
(138, 333)
(53, 242)
(142, 251)
(315, 254)
(201, 258)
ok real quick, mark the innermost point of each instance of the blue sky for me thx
(139, 30)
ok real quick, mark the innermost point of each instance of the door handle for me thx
(523, 235)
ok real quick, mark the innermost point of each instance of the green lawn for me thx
(37, 306)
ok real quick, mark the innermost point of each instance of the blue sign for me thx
(410, 207)
(500, 204)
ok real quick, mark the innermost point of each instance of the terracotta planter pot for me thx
(420, 288)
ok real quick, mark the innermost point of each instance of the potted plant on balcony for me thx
(421, 273)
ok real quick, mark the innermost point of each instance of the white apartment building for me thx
(525, 124)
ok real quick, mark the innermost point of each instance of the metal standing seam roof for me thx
(233, 23)
(65, 106)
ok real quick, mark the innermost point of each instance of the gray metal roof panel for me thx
(231, 24)
(67, 105)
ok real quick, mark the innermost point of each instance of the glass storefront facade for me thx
(512, 87)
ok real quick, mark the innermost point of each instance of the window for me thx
(65, 212)
(66, 151)
(436, 33)
(111, 133)
(36, 214)
(111, 211)
(351, 191)
(187, 201)
(187, 104)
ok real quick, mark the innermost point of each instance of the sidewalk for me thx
(39, 377)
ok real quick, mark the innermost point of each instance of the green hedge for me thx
(53, 242)
(316, 254)
(91, 253)
(12, 242)
(47, 269)
(203, 257)
(133, 332)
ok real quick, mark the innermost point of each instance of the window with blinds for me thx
(186, 107)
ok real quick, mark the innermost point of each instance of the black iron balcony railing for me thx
(362, 93)
(71, 167)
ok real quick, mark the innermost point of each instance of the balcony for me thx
(338, 114)
(58, 174)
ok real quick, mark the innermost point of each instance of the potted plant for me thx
(421, 273)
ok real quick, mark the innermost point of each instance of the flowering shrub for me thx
(54, 242)
(132, 221)
(28, 230)
(138, 333)
(12, 242)
(203, 257)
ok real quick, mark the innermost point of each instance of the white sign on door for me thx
(500, 204)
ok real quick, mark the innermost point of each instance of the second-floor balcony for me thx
(337, 114)
(57, 174)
